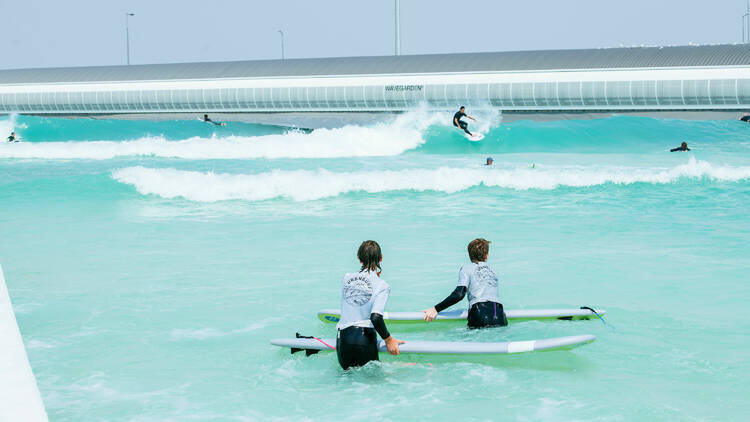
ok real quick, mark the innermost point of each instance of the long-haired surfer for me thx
(363, 298)
(480, 281)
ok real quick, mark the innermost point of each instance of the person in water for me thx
(206, 119)
(682, 147)
(479, 280)
(490, 161)
(457, 122)
(363, 298)
(745, 117)
(12, 137)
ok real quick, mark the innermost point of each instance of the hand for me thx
(430, 314)
(392, 344)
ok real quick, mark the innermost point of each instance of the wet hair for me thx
(369, 255)
(479, 249)
(462, 107)
(684, 144)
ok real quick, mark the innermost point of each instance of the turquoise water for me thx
(150, 263)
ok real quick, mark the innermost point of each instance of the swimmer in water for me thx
(682, 147)
(363, 298)
(460, 123)
(479, 280)
(745, 118)
(490, 161)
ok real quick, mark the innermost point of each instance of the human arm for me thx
(376, 318)
(391, 343)
(471, 118)
(456, 296)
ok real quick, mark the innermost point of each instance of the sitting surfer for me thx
(363, 298)
(480, 281)
(457, 122)
(745, 117)
(490, 161)
(682, 147)
(12, 137)
(206, 119)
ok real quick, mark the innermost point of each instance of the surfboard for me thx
(312, 346)
(517, 315)
(212, 122)
(476, 138)
(20, 400)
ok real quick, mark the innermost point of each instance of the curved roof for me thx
(609, 58)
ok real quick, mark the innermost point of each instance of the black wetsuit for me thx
(745, 118)
(679, 149)
(355, 346)
(11, 138)
(482, 314)
(206, 119)
(463, 125)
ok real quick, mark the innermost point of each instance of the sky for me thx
(55, 33)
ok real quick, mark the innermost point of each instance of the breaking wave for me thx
(403, 133)
(304, 185)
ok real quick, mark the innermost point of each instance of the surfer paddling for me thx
(208, 120)
(682, 147)
(363, 298)
(479, 280)
(457, 122)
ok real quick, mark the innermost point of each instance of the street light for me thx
(127, 34)
(398, 28)
(282, 44)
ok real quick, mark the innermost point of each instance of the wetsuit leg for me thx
(487, 314)
(355, 346)
(465, 127)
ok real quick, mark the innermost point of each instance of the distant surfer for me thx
(682, 147)
(12, 137)
(745, 118)
(490, 161)
(479, 280)
(208, 120)
(457, 122)
(363, 298)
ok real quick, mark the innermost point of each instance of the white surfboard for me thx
(19, 394)
(476, 138)
(333, 315)
(446, 347)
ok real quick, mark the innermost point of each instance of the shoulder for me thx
(349, 276)
(467, 268)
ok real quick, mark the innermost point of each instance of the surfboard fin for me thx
(308, 352)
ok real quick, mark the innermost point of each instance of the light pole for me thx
(398, 28)
(282, 44)
(127, 34)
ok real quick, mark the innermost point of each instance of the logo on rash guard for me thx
(357, 290)
(486, 276)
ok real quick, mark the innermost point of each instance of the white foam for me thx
(404, 132)
(302, 185)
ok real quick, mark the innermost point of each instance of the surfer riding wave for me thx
(460, 123)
